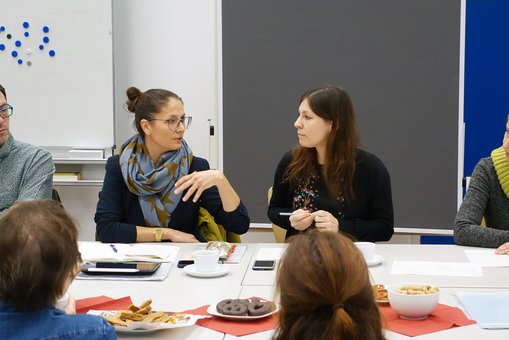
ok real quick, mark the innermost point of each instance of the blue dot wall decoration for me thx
(14, 54)
(46, 40)
(20, 61)
(26, 34)
(2, 28)
(26, 24)
(51, 53)
(17, 43)
(41, 47)
(45, 29)
(2, 47)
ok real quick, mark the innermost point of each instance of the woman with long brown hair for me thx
(326, 181)
(325, 292)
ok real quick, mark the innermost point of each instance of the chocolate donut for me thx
(260, 308)
(222, 304)
(242, 301)
(235, 308)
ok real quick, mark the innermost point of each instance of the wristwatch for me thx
(158, 233)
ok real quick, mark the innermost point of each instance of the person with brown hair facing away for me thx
(326, 182)
(39, 260)
(325, 291)
(154, 188)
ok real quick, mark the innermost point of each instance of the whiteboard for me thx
(65, 100)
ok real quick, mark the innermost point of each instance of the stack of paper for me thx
(489, 310)
(121, 252)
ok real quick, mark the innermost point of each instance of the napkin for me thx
(102, 303)
(235, 328)
(442, 318)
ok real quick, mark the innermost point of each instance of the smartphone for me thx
(264, 265)
(183, 263)
(119, 268)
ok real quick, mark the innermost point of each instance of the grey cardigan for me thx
(484, 197)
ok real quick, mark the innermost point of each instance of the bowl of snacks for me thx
(413, 301)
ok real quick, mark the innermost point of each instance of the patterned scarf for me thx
(502, 168)
(154, 185)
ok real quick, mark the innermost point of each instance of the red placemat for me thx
(236, 328)
(442, 318)
(102, 303)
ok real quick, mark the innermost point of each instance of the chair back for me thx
(279, 233)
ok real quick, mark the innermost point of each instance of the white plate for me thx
(147, 327)
(213, 311)
(377, 259)
(220, 271)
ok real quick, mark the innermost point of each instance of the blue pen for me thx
(114, 248)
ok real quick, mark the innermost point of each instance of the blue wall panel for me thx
(486, 78)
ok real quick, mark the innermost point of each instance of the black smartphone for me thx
(183, 263)
(264, 265)
(119, 268)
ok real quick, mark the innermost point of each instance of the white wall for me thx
(171, 45)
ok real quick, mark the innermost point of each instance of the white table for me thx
(180, 292)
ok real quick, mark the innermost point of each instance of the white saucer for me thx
(377, 259)
(220, 271)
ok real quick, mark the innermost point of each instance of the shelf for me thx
(89, 182)
(79, 160)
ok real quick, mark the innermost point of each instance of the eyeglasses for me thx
(174, 123)
(6, 111)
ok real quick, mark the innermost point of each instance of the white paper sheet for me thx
(96, 251)
(487, 258)
(436, 268)
(270, 253)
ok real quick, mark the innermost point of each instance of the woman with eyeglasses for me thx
(154, 188)
(326, 182)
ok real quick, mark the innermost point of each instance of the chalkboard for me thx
(63, 100)
(398, 59)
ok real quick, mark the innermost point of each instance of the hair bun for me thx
(133, 95)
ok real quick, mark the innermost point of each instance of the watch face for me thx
(158, 233)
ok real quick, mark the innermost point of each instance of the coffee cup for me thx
(205, 261)
(367, 249)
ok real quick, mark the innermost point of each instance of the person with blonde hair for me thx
(325, 291)
(39, 260)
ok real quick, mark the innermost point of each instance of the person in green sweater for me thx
(26, 170)
(487, 196)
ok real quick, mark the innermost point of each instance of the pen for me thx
(286, 214)
(114, 248)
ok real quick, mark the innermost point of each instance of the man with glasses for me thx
(26, 171)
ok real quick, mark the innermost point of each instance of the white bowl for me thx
(412, 307)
